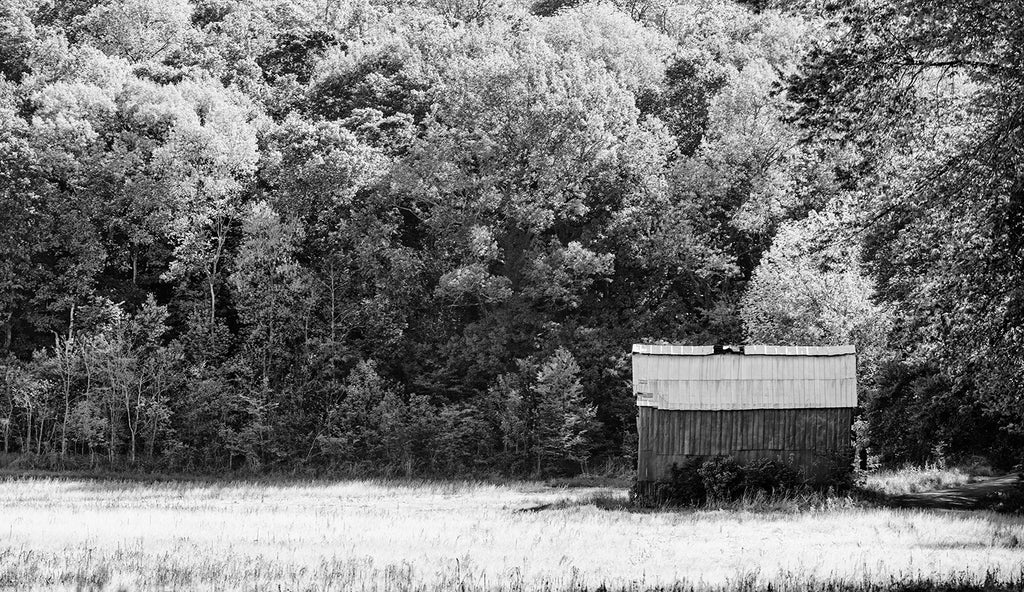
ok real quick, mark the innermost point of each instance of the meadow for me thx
(67, 534)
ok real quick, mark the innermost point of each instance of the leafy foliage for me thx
(413, 238)
(932, 125)
(701, 480)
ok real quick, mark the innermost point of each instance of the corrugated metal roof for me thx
(749, 350)
(674, 350)
(786, 350)
(767, 379)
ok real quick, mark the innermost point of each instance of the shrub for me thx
(1010, 501)
(720, 479)
(686, 485)
(839, 473)
(723, 478)
(770, 475)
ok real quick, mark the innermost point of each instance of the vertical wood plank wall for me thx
(806, 437)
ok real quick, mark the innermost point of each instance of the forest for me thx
(418, 237)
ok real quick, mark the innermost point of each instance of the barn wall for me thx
(807, 437)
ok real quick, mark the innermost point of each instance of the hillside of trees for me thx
(418, 237)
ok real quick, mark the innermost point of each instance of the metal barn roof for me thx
(761, 377)
(750, 350)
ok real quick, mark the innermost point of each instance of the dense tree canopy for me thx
(927, 96)
(420, 237)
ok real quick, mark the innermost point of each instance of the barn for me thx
(750, 402)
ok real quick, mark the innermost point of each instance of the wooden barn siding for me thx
(805, 436)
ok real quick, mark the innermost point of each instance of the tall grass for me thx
(382, 536)
(911, 479)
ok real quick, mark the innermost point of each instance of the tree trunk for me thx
(67, 384)
(110, 444)
(213, 303)
(7, 331)
(133, 422)
(221, 237)
(151, 445)
(334, 307)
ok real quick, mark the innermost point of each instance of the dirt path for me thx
(987, 493)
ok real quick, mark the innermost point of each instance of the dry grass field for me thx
(84, 534)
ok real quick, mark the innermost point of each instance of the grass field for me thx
(82, 534)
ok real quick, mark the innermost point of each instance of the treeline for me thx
(419, 237)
